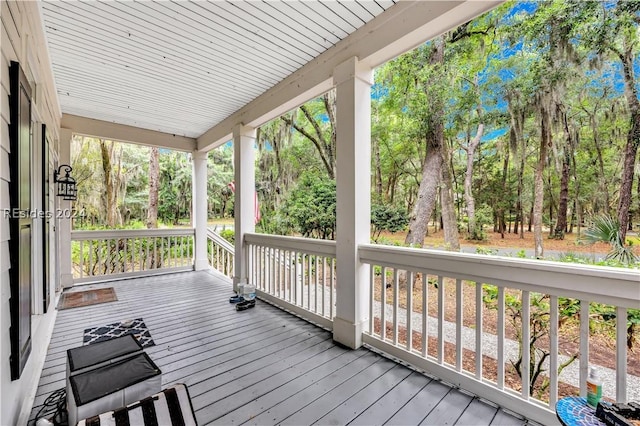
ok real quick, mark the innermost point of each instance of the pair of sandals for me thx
(242, 306)
(241, 303)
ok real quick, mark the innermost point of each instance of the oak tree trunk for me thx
(633, 142)
(154, 173)
(427, 196)
(563, 202)
(432, 167)
(538, 200)
(468, 181)
(449, 220)
(111, 183)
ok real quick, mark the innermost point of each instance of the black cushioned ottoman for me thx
(111, 385)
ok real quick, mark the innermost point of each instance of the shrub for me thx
(311, 206)
(387, 218)
(229, 235)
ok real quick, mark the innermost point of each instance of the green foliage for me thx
(484, 216)
(229, 235)
(604, 228)
(388, 242)
(311, 206)
(385, 217)
(174, 194)
(219, 175)
(486, 250)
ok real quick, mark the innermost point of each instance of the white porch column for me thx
(244, 139)
(63, 221)
(353, 209)
(199, 200)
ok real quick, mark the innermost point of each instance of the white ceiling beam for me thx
(397, 30)
(123, 133)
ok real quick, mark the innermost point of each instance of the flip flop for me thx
(245, 305)
(236, 299)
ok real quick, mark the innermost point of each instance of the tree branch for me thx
(314, 123)
(314, 141)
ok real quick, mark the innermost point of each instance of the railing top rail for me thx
(303, 245)
(130, 233)
(217, 238)
(620, 287)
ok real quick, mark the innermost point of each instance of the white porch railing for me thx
(98, 255)
(465, 324)
(220, 253)
(297, 274)
(474, 304)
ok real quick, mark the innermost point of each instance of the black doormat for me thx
(117, 329)
(77, 299)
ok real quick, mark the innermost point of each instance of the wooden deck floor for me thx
(261, 366)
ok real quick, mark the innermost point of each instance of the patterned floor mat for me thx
(109, 331)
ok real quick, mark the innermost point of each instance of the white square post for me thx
(353, 209)
(244, 139)
(199, 220)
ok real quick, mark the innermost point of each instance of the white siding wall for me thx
(22, 40)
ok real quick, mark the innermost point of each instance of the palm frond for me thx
(605, 228)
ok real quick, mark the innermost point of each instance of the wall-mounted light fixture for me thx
(66, 184)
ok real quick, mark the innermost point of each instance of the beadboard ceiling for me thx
(182, 67)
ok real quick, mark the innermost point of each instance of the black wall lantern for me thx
(66, 184)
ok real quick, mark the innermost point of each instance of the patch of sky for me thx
(519, 8)
(508, 50)
(495, 133)
(612, 74)
(497, 104)
(379, 91)
(506, 74)
(489, 135)
(636, 69)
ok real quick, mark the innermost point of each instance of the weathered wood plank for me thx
(248, 364)
(235, 395)
(503, 418)
(477, 413)
(449, 409)
(393, 401)
(421, 404)
(360, 400)
(313, 382)
(330, 392)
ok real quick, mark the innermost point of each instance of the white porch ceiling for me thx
(183, 67)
